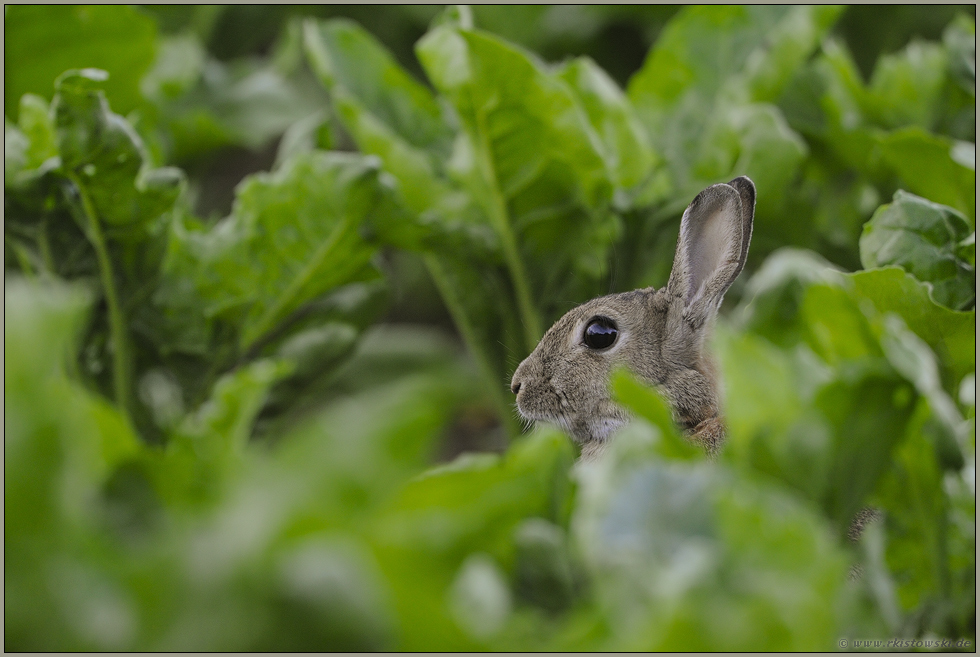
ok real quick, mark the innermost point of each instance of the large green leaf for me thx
(626, 146)
(904, 89)
(532, 161)
(46, 40)
(292, 236)
(391, 115)
(207, 448)
(951, 334)
(924, 239)
(61, 444)
(519, 119)
(837, 348)
(344, 55)
(713, 61)
(472, 505)
(689, 557)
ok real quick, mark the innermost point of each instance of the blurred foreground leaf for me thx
(47, 40)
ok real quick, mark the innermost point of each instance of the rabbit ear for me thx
(746, 191)
(712, 246)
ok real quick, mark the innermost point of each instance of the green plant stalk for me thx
(462, 321)
(117, 321)
(501, 221)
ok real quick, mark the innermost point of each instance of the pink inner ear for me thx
(711, 244)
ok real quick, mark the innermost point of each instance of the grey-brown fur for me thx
(662, 334)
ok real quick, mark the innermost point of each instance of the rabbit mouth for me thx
(583, 430)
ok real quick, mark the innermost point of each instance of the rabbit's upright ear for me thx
(712, 246)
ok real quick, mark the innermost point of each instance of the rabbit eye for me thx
(600, 333)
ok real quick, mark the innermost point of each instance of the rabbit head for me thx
(658, 334)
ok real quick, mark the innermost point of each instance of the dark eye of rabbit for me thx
(600, 333)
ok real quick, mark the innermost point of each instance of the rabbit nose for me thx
(515, 387)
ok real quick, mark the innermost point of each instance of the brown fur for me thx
(662, 334)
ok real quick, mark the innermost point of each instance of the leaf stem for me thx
(117, 319)
(501, 221)
(458, 312)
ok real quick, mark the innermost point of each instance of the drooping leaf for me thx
(626, 146)
(344, 55)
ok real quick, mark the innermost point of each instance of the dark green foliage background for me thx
(269, 270)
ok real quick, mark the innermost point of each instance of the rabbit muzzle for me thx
(586, 413)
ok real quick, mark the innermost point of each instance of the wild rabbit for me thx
(659, 335)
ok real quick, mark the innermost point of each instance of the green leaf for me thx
(476, 501)
(108, 158)
(345, 55)
(649, 405)
(829, 440)
(178, 66)
(926, 166)
(626, 144)
(207, 449)
(960, 40)
(203, 104)
(315, 132)
(48, 411)
(46, 40)
(694, 557)
(292, 236)
(709, 63)
(701, 51)
(775, 292)
(221, 426)
(922, 238)
(394, 117)
(773, 426)
(30, 155)
(517, 116)
(531, 160)
(917, 526)
(472, 505)
(867, 418)
(951, 334)
(905, 87)
(61, 445)
(35, 122)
